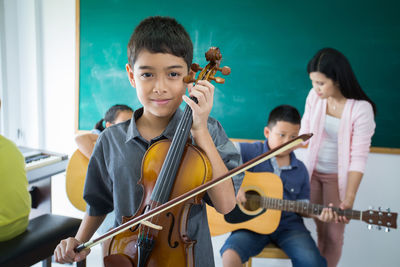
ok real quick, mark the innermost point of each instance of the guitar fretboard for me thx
(305, 207)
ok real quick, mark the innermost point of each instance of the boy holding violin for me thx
(160, 54)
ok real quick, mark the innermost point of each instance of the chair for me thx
(38, 242)
(270, 251)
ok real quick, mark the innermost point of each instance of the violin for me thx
(143, 218)
(169, 169)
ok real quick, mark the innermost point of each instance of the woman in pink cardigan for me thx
(341, 117)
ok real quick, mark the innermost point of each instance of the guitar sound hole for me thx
(252, 201)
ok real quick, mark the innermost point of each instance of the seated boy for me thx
(160, 53)
(291, 234)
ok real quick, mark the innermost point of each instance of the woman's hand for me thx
(345, 205)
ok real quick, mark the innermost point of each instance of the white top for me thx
(327, 160)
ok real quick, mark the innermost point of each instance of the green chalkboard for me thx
(267, 43)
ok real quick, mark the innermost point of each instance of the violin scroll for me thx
(214, 56)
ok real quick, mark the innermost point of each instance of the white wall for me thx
(38, 73)
(59, 73)
(37, 80)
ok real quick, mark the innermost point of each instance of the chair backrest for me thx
(75, 179)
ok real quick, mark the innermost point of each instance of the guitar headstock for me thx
(381, 218)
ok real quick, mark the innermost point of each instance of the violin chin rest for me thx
(119, 260)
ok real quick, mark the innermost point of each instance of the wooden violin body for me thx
(172, 241)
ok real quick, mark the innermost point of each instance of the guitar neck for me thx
(305, 207)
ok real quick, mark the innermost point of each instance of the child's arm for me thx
(64, 252)
(223, 194)
(86, 143)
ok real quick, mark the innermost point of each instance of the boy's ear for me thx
(108, 124)
(131, 77)
(266, 132)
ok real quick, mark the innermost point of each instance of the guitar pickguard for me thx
(237, 216)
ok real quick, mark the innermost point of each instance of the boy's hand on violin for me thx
(204, 92)
(65, 253)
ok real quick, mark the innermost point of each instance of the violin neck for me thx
(172, 160)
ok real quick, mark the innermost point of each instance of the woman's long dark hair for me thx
(336, 67)
(111, 115)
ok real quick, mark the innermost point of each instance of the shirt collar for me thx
(168, 133)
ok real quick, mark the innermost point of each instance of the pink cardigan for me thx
(356, 128)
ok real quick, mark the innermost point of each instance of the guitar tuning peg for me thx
(370, 207)
(369, 227)
(225, 70)
(388, 210)
(379, 227)
(387, 230)
(379, 208)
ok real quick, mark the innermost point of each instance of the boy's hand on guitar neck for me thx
(328, 215)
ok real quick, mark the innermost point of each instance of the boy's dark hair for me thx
(111, 115)
(283, 113)
(160, 35)
(336, 67)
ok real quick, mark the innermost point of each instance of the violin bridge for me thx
(151, 225)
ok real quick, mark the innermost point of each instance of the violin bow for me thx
(202, 188)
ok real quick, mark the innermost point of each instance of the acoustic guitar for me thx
(75, 179)
(262, 211)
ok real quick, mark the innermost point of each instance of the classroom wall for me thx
(38, 71)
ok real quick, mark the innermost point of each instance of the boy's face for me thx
(158, 79)
(281, 133)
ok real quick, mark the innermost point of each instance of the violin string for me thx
(176, 149)
(166, 182)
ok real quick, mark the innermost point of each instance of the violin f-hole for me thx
(176, 243)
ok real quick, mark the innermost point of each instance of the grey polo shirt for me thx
(115, 169)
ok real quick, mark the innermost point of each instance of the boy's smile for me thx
(158, 79)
